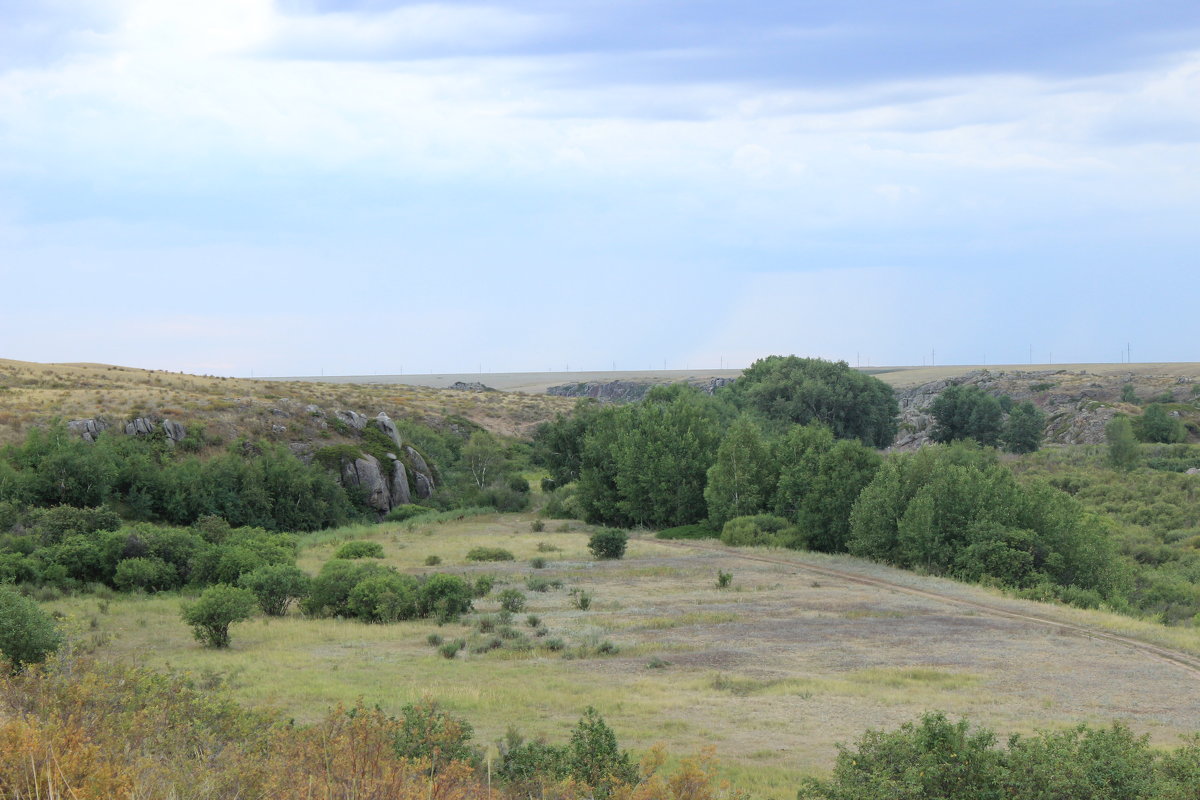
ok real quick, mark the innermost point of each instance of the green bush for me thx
(387, 597)
(698, 531)
(427, 731)
(537, 562)
(483, 585)
(432, 561)
(218, 607)
(276, 587)
(329, 593)
(146, 574)
(512, 600)
(608, 543)
(359, 549)
(758, 530)
(444, 596)
(489, 554)
(27, 634)
(407, 511)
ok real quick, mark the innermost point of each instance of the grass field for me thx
(771, 671)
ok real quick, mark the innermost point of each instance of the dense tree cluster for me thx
(967, 412)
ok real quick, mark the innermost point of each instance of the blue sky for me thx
(377, 186)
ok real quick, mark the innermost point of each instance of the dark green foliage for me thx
(743, 478)
(966, 412)
(329, 593)
(1156, 425)
(147, 574)
(698, 531)
(444, 596)
(1024, 429)
(218, 607)
(724, 579)
(558, 445)
(359, 549)
(796, 391)
(954, 510)
(489, 554)
(760, 530)
(594, 758)
(27, 634)
(407, 511)
(1129, 394)
(608, 543)
(276, 587)
(1122, 444)
(940, 760)
(647, 463)
(385, 597)
(526, 766)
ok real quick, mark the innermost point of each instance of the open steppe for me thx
(799, 653)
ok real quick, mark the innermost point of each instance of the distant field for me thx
(772, 672)
(900, 377)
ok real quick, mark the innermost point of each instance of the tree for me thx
(594, 758)
(27, 634)
(1122, 444)
(276, 586)
(1156, 425)
(218, 607)
(742, 481)
(1024, 429)
(966, 412)
(484, 458)
(788, 391)
(608, 543)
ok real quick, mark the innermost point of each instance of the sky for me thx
(354, 187)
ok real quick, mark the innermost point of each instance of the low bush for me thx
(512, 600)
(697, 531)
(387, 597)
(407, 511)
(758, 530)
(27, 634)
(276, 587)
(489, 554)
(218, 607)
(359, 549)
(608, 543)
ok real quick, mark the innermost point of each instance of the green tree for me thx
(218, 607)
(27, 634)
(1122, 444)
(608, 543)
(787, 390)
(1156, 425)
(966, 412)
(1024, 429)
(558, 445)
(594, 758)
(277, 586)
(484, 459)
(742, 481)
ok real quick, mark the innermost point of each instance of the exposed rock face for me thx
(174, 431)
(142, 426)
(385, 424)
(472, 386)
(353, 419)
(87, 429)
(400, 494)
(364, 474)
(424, 485)
(418, 463)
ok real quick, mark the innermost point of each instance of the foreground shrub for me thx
(27, 634)
(218, 608)
(446, 597)
(387, 597)
(146, 574)
(512, 600)
(608, 543)
(359, 549)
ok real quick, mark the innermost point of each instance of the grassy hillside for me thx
(229, 407)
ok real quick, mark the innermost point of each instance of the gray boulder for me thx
(141, 426)
(353, 419)
(400, 494)
(174, 431)
(364, 474)
(385, 424)
(424, 485)
(87, 429)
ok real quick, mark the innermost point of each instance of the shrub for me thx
(533, 620)
(407, 511)
(387, 597)
(518, 484)
(546, 547)
(554, 645)
(359, 549)
(724, 579)
(147, 574)
(433, 639)
(483, 585)
(218, 607)
(760, 529)
(512, 600)
(538, 562)
(329, 592)
(427, 731)
(444, 596)
(489, 554)
(537, 526)
(536, 583)
(450, 649)
(594, 758)
(697, 531)
(27, 634)
(432, 561)
(276, 587)
(608, 543)
(581, 599)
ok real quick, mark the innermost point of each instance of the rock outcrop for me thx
(87, 429)
(385, 424)
(365, 474)
(353, 419)
(400, 494)
(471, 386)
(145, 426)
(627, 391)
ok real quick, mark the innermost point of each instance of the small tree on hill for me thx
(1156, 425)
(276, 587)
(1122, 445)
(219, 607)
(966, 412)
(1024, 428)
(27, 634)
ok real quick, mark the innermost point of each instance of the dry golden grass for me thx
(772, 671)
(34, 393)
